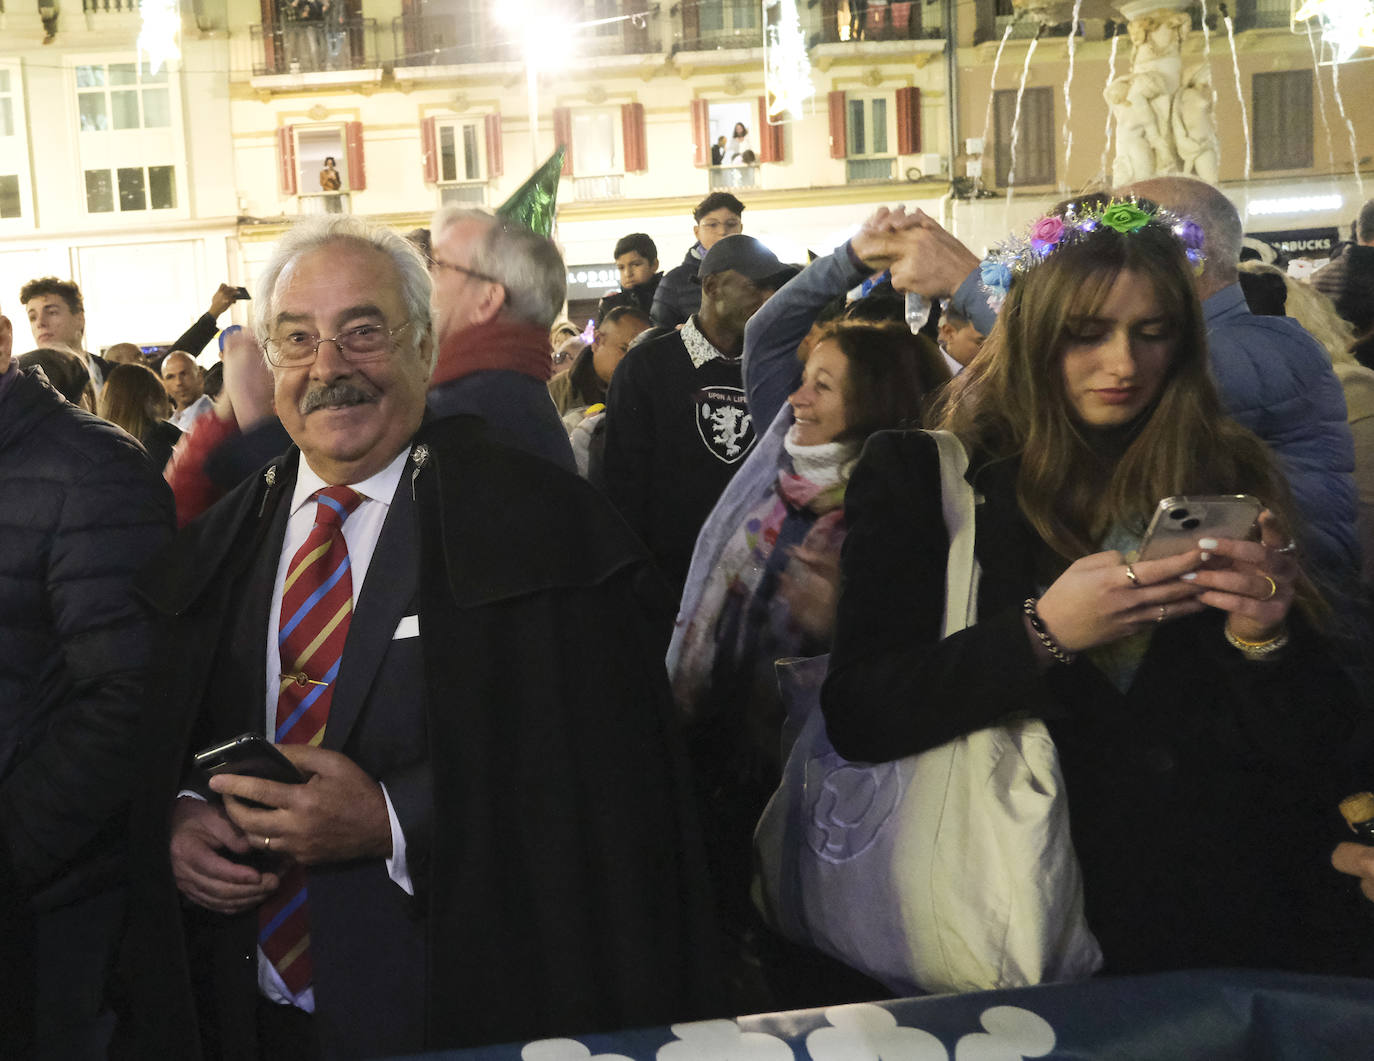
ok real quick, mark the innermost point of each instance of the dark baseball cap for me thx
(748, 257)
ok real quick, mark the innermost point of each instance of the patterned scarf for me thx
(812, 489)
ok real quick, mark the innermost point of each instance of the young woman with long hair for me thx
(1200, 719)
(133, 398)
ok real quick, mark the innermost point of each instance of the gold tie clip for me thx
(301, 679)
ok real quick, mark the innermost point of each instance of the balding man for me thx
(491, 844)
(498, 287)
(1276, 380)
(1348, 279)
(185, 383)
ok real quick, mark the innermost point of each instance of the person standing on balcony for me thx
(739, 145)
(718, 152)
(334, 34)
(678, 297)
(330, 181)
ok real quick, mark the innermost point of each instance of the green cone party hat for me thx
(535, 201)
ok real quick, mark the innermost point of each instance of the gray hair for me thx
(526, 264)
(316, 232)
(1223, 231)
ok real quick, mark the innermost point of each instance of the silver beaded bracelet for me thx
(1038, 628)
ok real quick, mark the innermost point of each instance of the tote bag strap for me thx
(957, 501)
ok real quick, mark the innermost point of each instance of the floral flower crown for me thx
(1018, 255)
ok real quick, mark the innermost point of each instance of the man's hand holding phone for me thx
(201, 834)
(338, 814)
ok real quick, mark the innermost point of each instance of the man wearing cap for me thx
(677, 423)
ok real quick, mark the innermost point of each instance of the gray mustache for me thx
(341, 392)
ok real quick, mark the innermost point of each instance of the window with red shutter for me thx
(496, 163)
(632, 134)
(838, 143)
(286, 159)
(908, 121)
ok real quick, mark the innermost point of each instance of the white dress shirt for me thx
(361, 531)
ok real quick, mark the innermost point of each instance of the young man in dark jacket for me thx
(678, 295)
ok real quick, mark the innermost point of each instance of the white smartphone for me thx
(1179, 522)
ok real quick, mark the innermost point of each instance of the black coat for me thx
(561, 890)
(81, 511)
(1201, 800)
(678, 294)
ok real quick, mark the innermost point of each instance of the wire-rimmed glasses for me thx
(367, 342)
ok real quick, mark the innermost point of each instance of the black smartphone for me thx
(241, 293)
(1179, 522)
(250, 754)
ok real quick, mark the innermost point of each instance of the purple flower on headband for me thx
(1046, 233)
(1198, 259)
(995, 276)
(1190, 232)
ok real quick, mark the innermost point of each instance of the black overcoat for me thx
(563, 890)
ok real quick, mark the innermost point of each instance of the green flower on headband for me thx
(1125, 218)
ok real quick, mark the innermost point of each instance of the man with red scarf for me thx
(497, 289)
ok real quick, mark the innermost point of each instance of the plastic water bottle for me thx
(917, 311)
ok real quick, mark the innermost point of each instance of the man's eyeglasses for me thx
(367, 342)
(439, 262)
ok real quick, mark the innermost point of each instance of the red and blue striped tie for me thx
(316, 604)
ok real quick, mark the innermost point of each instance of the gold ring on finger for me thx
(1130, 573)
(266, 842)
(1273, 588)
(1163, 613)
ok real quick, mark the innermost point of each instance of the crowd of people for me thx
(510, 633)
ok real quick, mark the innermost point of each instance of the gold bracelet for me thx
(1256, 649)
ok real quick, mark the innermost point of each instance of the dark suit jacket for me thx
(563, 891)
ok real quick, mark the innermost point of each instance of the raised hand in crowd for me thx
(224, 297)
(247, 394)
(931, 262)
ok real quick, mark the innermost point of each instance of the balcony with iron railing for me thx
(858, 21)
(862, 170)
(716, 25)
(723, 178)
(468, 34)
(323, 203)
(462, 38)
(342, 49)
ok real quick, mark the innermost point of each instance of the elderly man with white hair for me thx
(491, 842)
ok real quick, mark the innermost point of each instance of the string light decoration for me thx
(157, 39)
(786, 67)
(1347, 25)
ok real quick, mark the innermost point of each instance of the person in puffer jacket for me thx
(81, 510)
